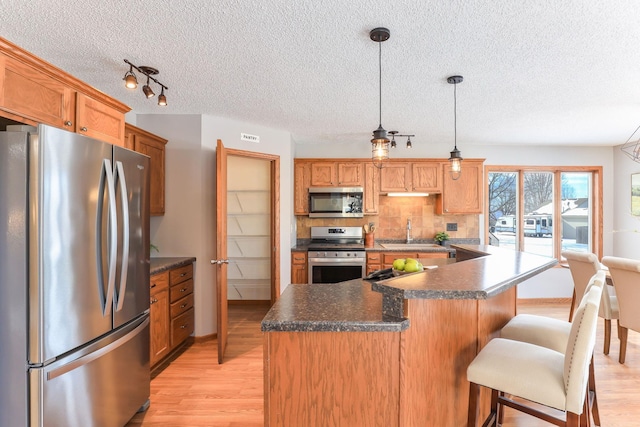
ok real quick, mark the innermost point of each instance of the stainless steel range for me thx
(336, 254)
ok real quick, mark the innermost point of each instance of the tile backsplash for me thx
(391, 221)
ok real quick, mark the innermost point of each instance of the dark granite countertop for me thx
(356, 305)
(493, 271)
(342, 307)
(160, 264)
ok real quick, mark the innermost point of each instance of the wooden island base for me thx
(323, 368)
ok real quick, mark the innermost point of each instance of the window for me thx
(544, 210)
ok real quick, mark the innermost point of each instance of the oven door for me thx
(334, 270)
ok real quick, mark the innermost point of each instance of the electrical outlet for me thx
(452, 226)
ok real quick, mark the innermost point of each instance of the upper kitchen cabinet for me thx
(33, 91)
(153, 146)
(371, 189)
(423, 176)
(464, 195)
(301, 183)
(337, 174)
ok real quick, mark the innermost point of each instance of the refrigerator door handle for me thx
(112, 227)
(125, 235)
(88, 358)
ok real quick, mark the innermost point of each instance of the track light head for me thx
(148, 92)
(130, 80)
(162, 99)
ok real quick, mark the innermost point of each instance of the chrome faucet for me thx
(409, 238)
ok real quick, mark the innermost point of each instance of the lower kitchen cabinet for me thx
(380, 260)
(172, 310)
(158, 315)
(299, 272)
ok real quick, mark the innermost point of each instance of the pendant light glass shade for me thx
(130, 80)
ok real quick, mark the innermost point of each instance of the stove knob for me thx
(348, 253)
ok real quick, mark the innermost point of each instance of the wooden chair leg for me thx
(473, 412)
(573, 420)
(592, 395)
(607, 335)
(501, 411)
(618, 323)
(573, 304)
(623, 344)
(494, 407)
(585, 417)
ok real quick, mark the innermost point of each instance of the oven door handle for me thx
(342, 261)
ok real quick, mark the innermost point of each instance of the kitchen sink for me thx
(410, 246)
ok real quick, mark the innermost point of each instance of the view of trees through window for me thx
(522, 210)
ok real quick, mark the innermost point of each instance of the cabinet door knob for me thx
(183, 327)
(83, 129)
(153, 286)
(183, 305)
(183, 274)
(183, 289)
(68, 123)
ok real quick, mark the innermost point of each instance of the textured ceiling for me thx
(535, 72)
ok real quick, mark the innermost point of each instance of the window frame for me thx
(595, 198)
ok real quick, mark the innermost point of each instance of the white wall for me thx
(626, 227)
(188, 226)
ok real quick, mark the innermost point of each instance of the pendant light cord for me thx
(380, 80)
(455, 118)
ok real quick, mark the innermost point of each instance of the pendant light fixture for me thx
(455, 161)
(380, 142)
(632, 148)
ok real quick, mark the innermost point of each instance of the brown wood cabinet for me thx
(299, 271)
(379, 260)
(371, 189)
(464, 195)
(33, 91)
(333, 174)
(153, 146)
(159, 318)
(374, 261)
(411, 177)
(181, 299)
(171, 312)
(301, 184)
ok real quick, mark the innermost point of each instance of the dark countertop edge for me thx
(334, 326)
(160, 264)
(386, 286)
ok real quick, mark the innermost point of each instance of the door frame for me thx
(221, 296)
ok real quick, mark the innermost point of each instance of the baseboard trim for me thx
(525, 301)
(205, 338)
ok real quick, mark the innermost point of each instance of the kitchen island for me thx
(343, 354)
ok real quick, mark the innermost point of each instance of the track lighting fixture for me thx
(380, 142)
(131, 81)
(455, 169)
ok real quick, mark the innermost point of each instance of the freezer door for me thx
(103, 385)
(68, 286)
(132, 180)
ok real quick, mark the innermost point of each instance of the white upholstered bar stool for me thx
(553, 334)
(538, 374)
(583, 265)
(625, 274)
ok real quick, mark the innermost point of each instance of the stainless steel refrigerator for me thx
(74, 280)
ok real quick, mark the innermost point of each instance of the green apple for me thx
(411, 265)
(398, 264)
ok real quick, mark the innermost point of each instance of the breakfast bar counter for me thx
(329, 362)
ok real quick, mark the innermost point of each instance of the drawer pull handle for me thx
(183, 289)
(153, 286)
(183, 327)
(183, 305)
(183, 274)
(298, 259)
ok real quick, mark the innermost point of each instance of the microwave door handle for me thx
(119, 298)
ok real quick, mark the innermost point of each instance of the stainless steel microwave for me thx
(335, 202)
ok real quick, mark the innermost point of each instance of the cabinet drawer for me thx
(182, 305)
(181, 274)
(374, 257)
(158, 282)
(180, 290)
(298, 257)
(182, 327)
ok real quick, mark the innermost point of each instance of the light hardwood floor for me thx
(195, 391)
